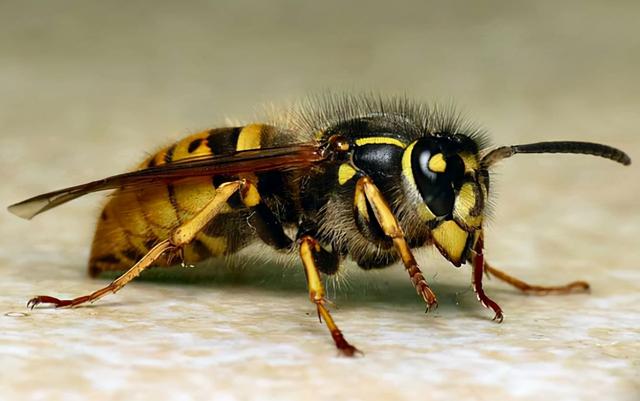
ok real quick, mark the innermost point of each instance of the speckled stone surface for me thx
(87, 89)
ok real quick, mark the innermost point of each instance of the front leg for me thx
(477, 260)
(367, 193)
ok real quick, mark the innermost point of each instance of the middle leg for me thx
(309, 251)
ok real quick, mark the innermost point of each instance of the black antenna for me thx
(585, 148)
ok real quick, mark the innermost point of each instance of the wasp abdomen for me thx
(133, 220)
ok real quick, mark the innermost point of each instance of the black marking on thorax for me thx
(381, 162)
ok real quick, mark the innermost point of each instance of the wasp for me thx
(342, 177)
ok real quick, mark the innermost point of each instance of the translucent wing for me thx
(298, 156)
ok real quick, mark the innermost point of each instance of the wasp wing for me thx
(298, 156)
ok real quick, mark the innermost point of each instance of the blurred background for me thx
(87, 89)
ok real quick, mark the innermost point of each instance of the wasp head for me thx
(443, 175)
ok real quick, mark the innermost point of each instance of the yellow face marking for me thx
(345, 173)
(379, 140)
(450, 240)
(470, 162)
(250, 137)
(437, 164)
(425, 213)
(465, 201)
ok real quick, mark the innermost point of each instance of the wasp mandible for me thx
(354, 177)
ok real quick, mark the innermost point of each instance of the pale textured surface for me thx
(87, 89)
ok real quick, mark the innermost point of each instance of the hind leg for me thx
(311, 254)
(115, 285)
(179, 237)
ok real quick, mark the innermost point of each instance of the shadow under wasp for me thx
(352, 177)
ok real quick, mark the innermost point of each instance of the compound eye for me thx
(430, 170)
(432, 163)
(441, 201)
(423, 162)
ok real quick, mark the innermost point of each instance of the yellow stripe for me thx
(379, 140)
(250, 137)
(252, 197)
(423, 210)
(345, 173)
(182, 148)
(406, 163)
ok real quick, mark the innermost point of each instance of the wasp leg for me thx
(478, 263)
(180, 237)
(365, 188)
(309, 247)
(573, 287)
(153, 254)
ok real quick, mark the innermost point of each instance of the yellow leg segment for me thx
(392, 229)
(573, 287)
(180, 237)
(308, 246)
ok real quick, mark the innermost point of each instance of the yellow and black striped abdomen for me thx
(133, 220)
